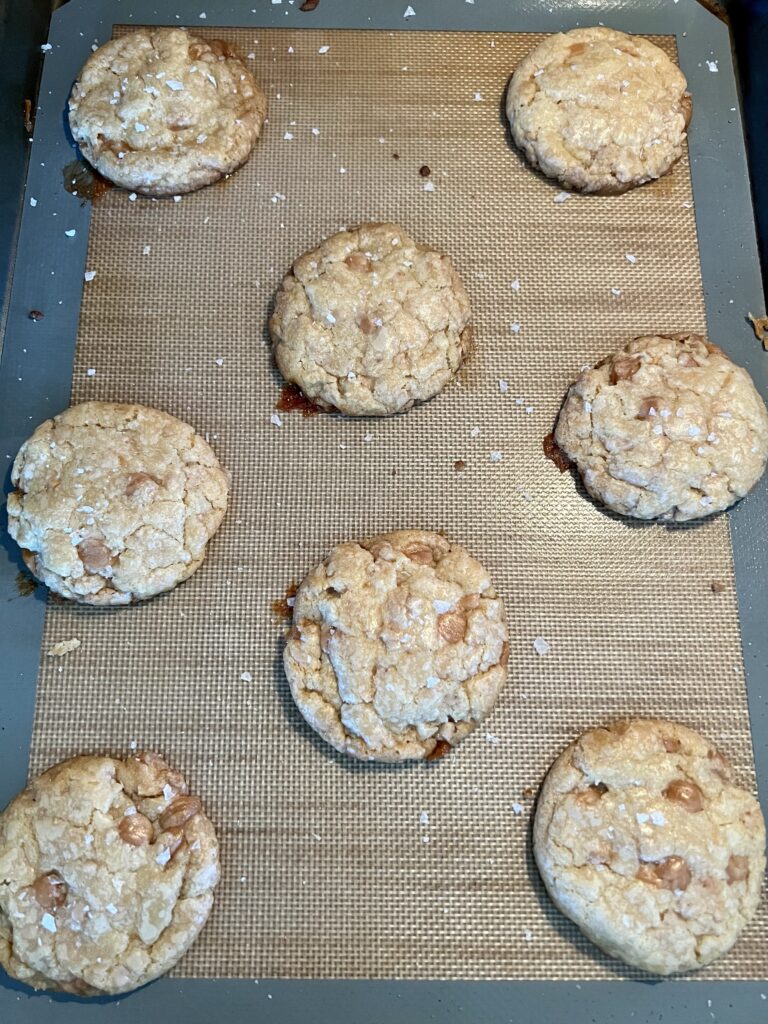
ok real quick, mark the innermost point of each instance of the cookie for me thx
(161, 111)
(115, 503)
(643, 839)
(599, 110)
(107, 872)
(668, 428)
(398, 647)
(371, 322)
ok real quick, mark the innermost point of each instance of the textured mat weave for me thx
(327, 869)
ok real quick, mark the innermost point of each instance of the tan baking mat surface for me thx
(327, 869)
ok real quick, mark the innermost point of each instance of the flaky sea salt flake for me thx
(503, 386)
(89, 275)
(409, 12)
(275, 420)
(541, 646)
(712, 65)
(323, 49)
(562, 197)
(64, 647)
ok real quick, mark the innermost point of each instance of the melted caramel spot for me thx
(421, 553)
(686, 794)
(653, 402)
(592, 794)
(358, 261)
(452, 626)
(738, 869)
(555, 453)
(95, 554)
(135, 830)
(440, 749)
(179, 812)
(293, 400)
(50, 890)
(137, 480)
(624, 368)
(84, 182)
(672, 873)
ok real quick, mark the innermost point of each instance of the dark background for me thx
(24, 27)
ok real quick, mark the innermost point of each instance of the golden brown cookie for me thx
(667, 428)
(115, 503)
(599, 110)
(371, 322)
(398, 647)
(162, 111)
(644, 840)
(107, 872)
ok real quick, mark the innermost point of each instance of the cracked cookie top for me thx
(667, 428)
(643, 839)
(599, 110)
(398, 647)
(371, 322)
(162, 111)
(107, 872)
(115, 503)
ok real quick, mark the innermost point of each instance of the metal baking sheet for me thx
(725, 327)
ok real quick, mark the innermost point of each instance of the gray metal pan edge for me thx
(35, 374)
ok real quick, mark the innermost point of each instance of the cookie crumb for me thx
(36, 315)
(459, 465)
(64, 647)
(424, 171)
(717, 587)
(760, 327)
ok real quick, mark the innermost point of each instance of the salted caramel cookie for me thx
(599, 110)
(398, 647)
(371, 322)
(115, 503)
(107, 872)
(643, 839)
(667, 428)
(161, 111)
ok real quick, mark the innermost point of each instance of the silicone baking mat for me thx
(331, 868)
